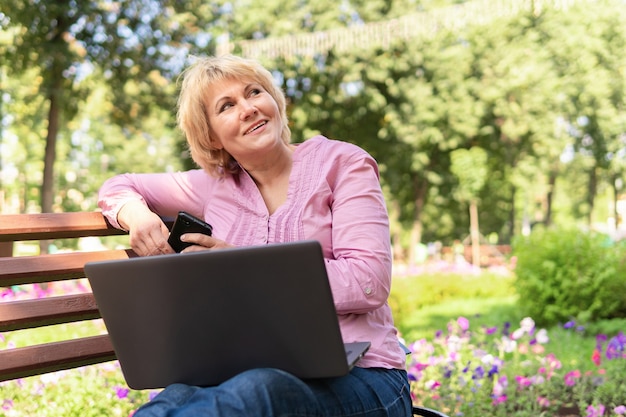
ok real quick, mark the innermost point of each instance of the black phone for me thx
(186, 223)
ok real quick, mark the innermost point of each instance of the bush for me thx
(565, 274)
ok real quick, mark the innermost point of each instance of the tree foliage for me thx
(543, 93)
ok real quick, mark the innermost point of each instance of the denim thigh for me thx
(267, 392)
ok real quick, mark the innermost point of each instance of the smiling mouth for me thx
(256, 126)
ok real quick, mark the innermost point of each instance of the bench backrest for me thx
(40, 269)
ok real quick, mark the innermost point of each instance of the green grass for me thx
(423, 323)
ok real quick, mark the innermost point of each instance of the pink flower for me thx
(7, 404)
(499, 400)
(543, 401)
(433, 385)
(499, 386)
(538, 349)
(570, 378)
(463, 323)
(523, 382)
(620, 410)
(596, 357)
(595, 412)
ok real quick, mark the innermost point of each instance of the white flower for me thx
(487, 359)
(542, 336)
(527, 324)
(508, 345)
(517, 334)
(454, 343)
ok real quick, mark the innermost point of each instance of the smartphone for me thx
(186, 223)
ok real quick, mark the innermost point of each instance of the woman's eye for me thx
(226, 106)
(255, 91)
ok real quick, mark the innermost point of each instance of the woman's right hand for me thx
(147, 232)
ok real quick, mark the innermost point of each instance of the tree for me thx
(470, 167)
(135, 44)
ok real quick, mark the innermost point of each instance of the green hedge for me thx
(570, 274)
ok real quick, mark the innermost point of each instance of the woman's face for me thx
(244, 118)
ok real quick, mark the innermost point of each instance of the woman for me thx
(256, 188)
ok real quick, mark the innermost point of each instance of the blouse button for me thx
(368, 290)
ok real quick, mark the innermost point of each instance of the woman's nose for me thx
(247, 110)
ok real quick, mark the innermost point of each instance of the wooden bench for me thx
(42, 269)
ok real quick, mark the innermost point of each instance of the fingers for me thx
(202, 242)
(149, 237)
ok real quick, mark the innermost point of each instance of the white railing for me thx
(382, 34)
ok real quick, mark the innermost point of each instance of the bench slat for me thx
(46, 268)
(56, 356)
(26, 314)
(16, 227)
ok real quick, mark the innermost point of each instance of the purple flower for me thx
(616, 346)
(506, 328)
(569, 325)
(491, 330)
(479, 373)
(494, 370)
(620, 410)
(121, 392)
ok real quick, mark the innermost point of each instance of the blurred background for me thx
(487, 117)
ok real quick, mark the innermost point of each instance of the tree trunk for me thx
(474, 233)
(591, 194)
(615, 201)
(551, 185)
(512, 213)
(47, 187)
(421, 188)
(54, 114)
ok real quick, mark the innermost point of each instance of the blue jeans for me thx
(370, 392)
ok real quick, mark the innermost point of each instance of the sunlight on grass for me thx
(423, 323)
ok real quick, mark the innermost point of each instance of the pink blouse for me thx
(334, 197)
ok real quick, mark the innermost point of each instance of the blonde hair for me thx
(193, 117)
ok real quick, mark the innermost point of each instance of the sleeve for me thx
(360, 271)
(163, 193)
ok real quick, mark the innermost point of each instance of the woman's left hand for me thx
(202, 242)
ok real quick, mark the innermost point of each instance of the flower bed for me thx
(504, 371)
(495, 371)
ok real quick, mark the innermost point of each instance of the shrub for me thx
(564, 274)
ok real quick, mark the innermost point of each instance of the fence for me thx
(382, 34)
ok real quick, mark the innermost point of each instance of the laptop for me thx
(201, 318)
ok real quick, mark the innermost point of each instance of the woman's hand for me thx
(202, 242)
(147, 232)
